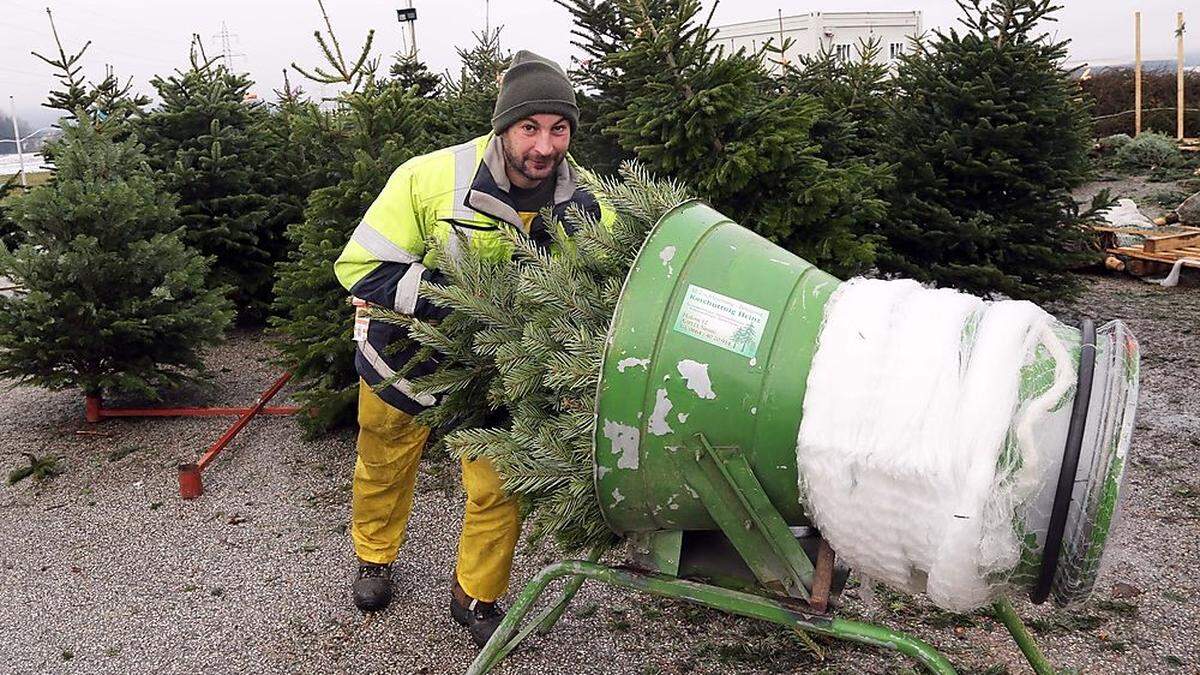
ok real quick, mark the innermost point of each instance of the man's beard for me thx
(526, 166)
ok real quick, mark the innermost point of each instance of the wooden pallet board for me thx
(1161, 247)
(1151, 233)
(1154, 240)
(1141, 262)
(1167, 257)
(1163, 244)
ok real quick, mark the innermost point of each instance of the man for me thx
(499, 180)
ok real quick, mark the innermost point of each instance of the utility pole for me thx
(1137, 73)
(782, 45)
(17, 137)
(1179, 76)
(412, 28)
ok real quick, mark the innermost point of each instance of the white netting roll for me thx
(913, 396)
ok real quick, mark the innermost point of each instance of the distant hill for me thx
(1190, 61)
(11, 164)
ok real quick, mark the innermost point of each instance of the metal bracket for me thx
(726, 485)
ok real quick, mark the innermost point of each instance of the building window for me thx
(895, 50)
(842, 52)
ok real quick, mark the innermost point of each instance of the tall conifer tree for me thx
(990, 136)
(672, 98)
(205, 141)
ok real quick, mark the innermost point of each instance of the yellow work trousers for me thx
(389, 448)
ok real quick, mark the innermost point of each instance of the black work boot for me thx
(481, 618)
(372, 586)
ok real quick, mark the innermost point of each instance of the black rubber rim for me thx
(1070, 463)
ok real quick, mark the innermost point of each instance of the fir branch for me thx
(356, 74)
(535, 327)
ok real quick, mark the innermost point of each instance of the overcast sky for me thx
(143, 37)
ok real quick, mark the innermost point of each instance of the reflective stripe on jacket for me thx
(461, 189)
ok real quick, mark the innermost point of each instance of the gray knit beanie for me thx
(532, 85)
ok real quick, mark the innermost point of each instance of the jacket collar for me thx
(489, 193)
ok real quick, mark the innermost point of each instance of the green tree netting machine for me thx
(705, 486)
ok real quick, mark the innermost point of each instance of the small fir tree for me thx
(408, 71)
(857, 95)
(299, 155)
(600, 34)
(205, 141)
(472, 96)
(112, 299)
(990, 136)
(108, 104)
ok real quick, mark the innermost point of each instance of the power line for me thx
(13, 72)
(109, 24)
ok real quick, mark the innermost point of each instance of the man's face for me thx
(533, 148)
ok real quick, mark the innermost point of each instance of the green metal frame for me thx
(507, 637)
(510, 633)
(725, 483)
(1024, 639)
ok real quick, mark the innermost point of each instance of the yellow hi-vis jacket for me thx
(461, 189)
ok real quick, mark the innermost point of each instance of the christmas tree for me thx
(857, 95)
(521, 353)
(112, 299)
(299, 156)
(600, 33)
(990, 135)
(205, 140)
(671, 97)
(472, 95)
(409, 71)
(108, 104)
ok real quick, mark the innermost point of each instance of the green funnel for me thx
(715, 333)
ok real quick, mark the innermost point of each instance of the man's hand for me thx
(426, 310)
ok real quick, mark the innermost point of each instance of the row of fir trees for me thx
(165, 222)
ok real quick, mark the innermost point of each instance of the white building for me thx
(839, 32)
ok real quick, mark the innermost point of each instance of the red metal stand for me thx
(190, 483)
(94, 411)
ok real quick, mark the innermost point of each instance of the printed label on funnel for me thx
(721, 320)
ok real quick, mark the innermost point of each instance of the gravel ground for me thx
(1154, 197)
(104, 569)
